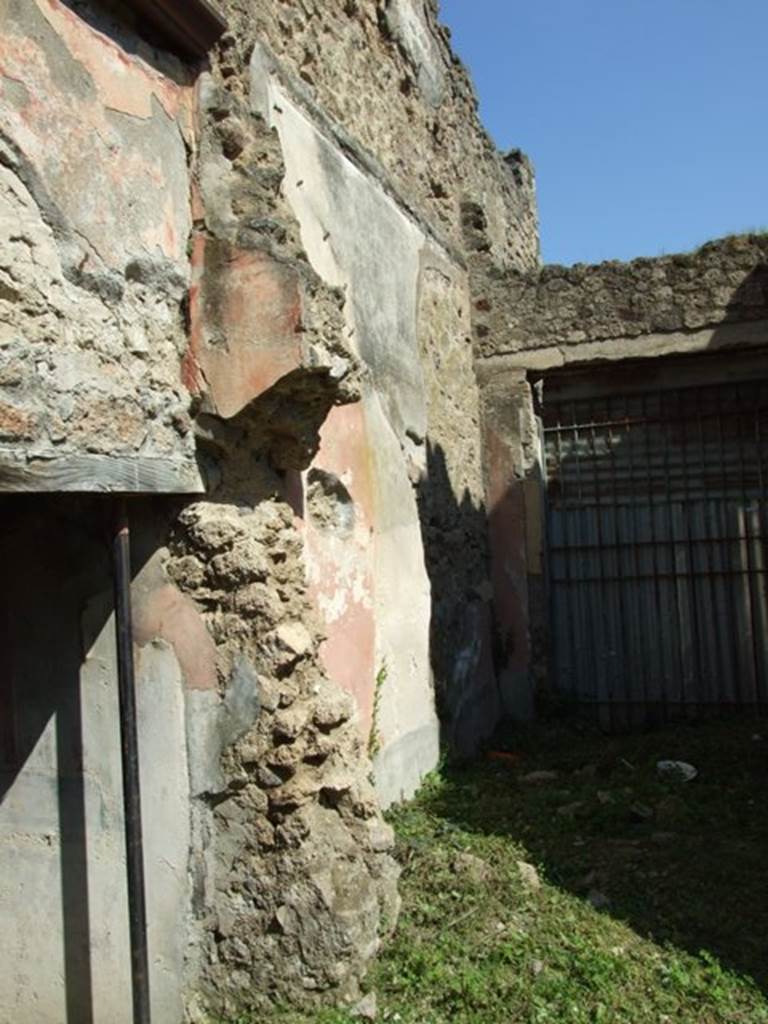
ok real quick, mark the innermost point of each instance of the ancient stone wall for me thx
(525, 326)
(94, 221)
(566, 309)
(295, 887)
(383, 74)
(247, 280)
(452, 507)
(369, 230)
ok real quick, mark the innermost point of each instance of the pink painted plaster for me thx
(123, 81)
(341, 570)
(121, 185)
(245, 311)
(165, 613)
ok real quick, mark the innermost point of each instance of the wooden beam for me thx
(98, 474)
(191, 27)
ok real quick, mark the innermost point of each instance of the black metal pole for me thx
(137, 914)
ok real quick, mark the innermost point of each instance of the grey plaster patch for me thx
(261, 67)
(373, 251)
(204, 742)
(62, 812)
(410, 29)
(24, 17)
(241, 703)
(159, 135)
(400, 767)
(378, 250)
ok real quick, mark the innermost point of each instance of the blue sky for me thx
(646, 120)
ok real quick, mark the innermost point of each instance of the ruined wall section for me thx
(524, 325)
(407, 463)
(294, 883)
(383, 74)
(578, 312)
(157, 299)
(453, 510)
(262, 321)
(261, 274)
(94, 220)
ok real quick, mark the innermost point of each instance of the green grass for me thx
(684, 866)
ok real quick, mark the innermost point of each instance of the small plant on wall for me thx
(374, 736)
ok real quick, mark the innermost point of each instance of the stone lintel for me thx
(750, 334)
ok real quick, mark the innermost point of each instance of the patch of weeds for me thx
(374, 736)
(652, 906)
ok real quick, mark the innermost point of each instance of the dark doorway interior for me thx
(656, 494)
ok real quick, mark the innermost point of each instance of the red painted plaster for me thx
(245, 312)
(123, 81)
(93, 171)
(348, 652)
(167, 614)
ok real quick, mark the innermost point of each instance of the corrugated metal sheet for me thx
(656, 541)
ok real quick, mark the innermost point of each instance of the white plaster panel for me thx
(356, 237)
(36, 869)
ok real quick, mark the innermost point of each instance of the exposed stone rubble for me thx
(304, 886)
(722, 282)
(385, 71)
(171, 287)
(87, 363)
(263, 322)
(93, 268)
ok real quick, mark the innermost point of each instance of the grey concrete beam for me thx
(98, 473)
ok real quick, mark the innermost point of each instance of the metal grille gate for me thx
(656, 515)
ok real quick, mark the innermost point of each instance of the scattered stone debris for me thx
(539, 776)
(680, 770)
(367, 1008)
(474, 868)
(529, 875)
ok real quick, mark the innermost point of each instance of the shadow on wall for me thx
(117, 20)
(57, 576)
(455, 537)
(657, 525)
(747, 305)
